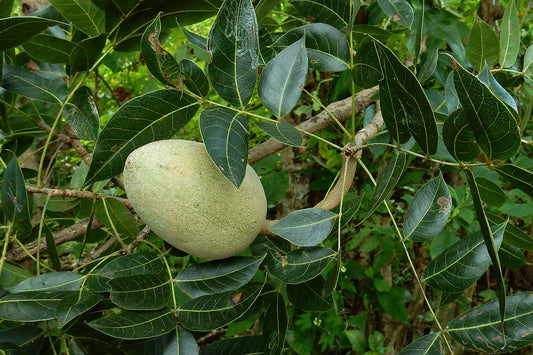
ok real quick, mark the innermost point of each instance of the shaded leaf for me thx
(194, 78)
(74, 304)
(393, 113)
(527, 68)
(282, 131)
(393, 303)
(517, 176)
(83, 14)
(513, 235)
(490, 192)
(225, 134)
(54, 281)
(419, 115)
(480, 329)
(28, 337)
(483, 45)
(140, 292)
(34, 85)
(429, 66)
(30, 306)
(214, 311)
(459, 137)
(283, 78)
(217, 276)
(509, 36)
(429, 210)
(327, 48)
(195, 39)
(307, 227)
(234, 48)
(275, 326)
(452, 99)
(248, 344)
(133, 264)
(333, 12)
(133, 325)
(493, 122)
(300, 265)
(308, 297)
(17, 30)
(183, 343)
(82, 115)
(49, 48)
(86, 53)
(153, 116)
(350, 206)
(399, 11)
(12, 274)
(512, 257)
(116, 216)
(366, 71)
(462, 264)
(15, 204)
(430, 344)
(160, 62)
(488, 79)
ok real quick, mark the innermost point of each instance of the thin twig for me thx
(138, 239)
(98, 252)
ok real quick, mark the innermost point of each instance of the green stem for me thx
(329, 113)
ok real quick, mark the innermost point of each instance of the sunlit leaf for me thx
(300, 265)
(429, 210)
(133, 325)
(15, 204)
(34, 85)
(528, 61)
(225, 135)
(398, 11)
(509, 36)
(234, 48)
(74, 304)
(283, 78)
(54, 281)
(153, 116)
(459, 266)
(83, 14)
(282, 131)
(480, 329)
(217, 276)
(483, 45)
(307, 227)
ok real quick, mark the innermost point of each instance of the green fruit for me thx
(181, 195)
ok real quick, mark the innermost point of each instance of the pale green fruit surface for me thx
(181, 195)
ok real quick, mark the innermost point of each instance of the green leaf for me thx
(493, 122)
(366, 72)
(17, 30)
(509, 36)
(490, 243)
(419, 115)
(275, 326)
(27, 337)
(86, 53)
(115, 215)
(480, 329)
(74, 304)
(527, 68)
(462, 264)
(283, 78)
(430, 344)
(490, 192)
(6, 6)
(225, 134)
(182, 344)
(131, 325)
(308, 296)
(513, 235)
(82, 115)
(428, 211)
(49, 48)
(452, 99)
(483, 45)
(306, 227)
(83, 14)
(459, 137)
(512, 257)
(12, 274)
(194, 77)
(517, 176)
(327, 48)
(393, 303)
(333, 12)
(387, 181)
(143, 292)
(160, 62)
(399, 11)
(153, 116)
(214, 311)
(282, 131)
(247, 344)
(488, 79)
(429, 66)
(133, 264)
(34, 85)
(195, 39)
(30, 306)
(15, 204)
(300, 265)
(393, 113)
(54, 281)
(218, 276)
(234, 48)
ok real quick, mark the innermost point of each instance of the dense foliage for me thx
(392, 138)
